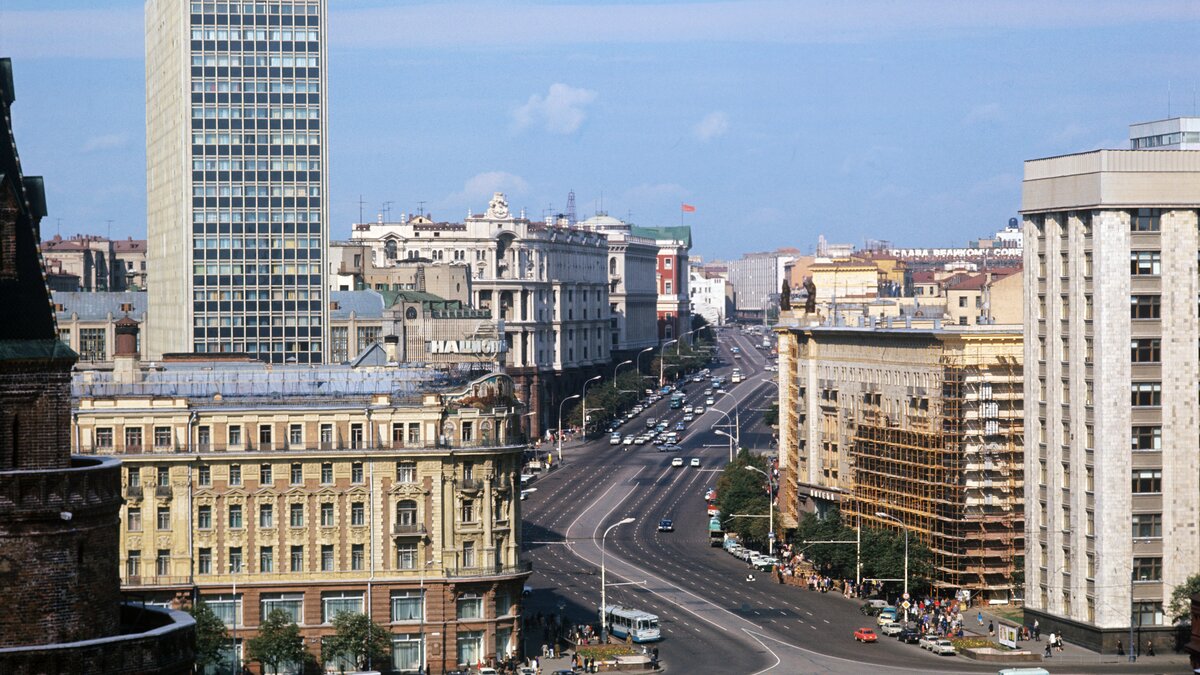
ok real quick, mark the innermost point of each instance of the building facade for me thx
(709, 297)
(1111, 284)
(632, 280)
(98, 264)
(381, 490)
(237, 223)
(546, 284)
(756, 279)
(914, 420)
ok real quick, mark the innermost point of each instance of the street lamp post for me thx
(625, 362)
(583, 417)
(603, 584)
(737, 419)
(236, 662)
(638, 358)
(770, 509)
(730, 437)
(662, 362)
(888, 516)
(560, 405)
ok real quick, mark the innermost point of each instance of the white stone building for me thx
(632, 298)
(708, 297)
(1112, 412)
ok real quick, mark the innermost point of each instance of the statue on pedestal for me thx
(810, 303)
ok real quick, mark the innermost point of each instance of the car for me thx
(943, 647)
(764, 563)
(709, 494)
(678, 461)
(689, 417)
(891, 629)
(709, 401)
(721, 390)
(665, 525)
(865, 635)
(628, 440)
(696, 461)
(888, 615)
(487, 671)
(687, 409)
(680, 426)
(909, 636)
(699, 410)
(670, 447)
(640, 440)
(927, 641)
(615, 439)
(526, 670)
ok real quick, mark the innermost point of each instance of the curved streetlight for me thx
(736, 421)
(720, 432)
(888, 516)
(662, 361)
(603, 584)
(638, 358)
(618, 367)
(560, 405)
(770, 508)
(584, 416)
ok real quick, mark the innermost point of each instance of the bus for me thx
(676, 401)
(634, 624)
(716, 537)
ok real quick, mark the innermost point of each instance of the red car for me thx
(865, 635)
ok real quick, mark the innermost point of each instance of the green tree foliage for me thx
(363, 641)
(1180, 608)
(740, 491)
(771, 414)
(278, 642)
(211, 636)
(882, 551)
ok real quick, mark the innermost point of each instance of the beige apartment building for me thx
(1111, 282)
(386, 490)
(913, 419)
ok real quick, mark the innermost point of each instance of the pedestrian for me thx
(1150, 647)
(1037, 630)
(979, 618)
(1047, 653)
(991, 629)
(1060, 642)
(1120, 648)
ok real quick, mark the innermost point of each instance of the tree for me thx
(742, 492)
(358, 638)
(1181, 599)
(882, 551)
(211, 636)
(278, 642)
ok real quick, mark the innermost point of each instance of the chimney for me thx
(391, 347)
(126, 359)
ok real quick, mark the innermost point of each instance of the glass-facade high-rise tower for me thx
(236, 178)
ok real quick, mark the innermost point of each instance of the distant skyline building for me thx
(237, 217)
(756, 279)
(1175, 133)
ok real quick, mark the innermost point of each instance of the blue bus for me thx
(635, 624)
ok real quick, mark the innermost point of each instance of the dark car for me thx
(666, 525)
(909, 636)
(869, 609)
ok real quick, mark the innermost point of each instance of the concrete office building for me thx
(236, 181)
(1176, 133)
(756, 279)
(1111, 285)
(632, 274)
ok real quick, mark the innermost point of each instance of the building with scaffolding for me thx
(917, 420)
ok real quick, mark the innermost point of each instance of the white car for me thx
(708, 401)
(699, 411)
(689, 417)
(891, 628)
(943, 647)
(927, 641)
(696, 461)
(615, 439)
(678, 461)
(628, 440)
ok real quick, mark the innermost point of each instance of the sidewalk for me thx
(549, 666)
(1072, 654)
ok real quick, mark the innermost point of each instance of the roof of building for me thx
(681, 233)
(96, 306)
(130, 245)
(976, 282)
(924, 277)
(366, 304)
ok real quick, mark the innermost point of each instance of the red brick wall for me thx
(35, 414)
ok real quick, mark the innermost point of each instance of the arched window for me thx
(612, 267)
(406, 512)
(390, 249)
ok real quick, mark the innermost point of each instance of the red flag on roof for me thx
(688, 208)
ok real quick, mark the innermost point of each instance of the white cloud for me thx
(479, 188)
(561, 110)
(105, 142)
(714, 124)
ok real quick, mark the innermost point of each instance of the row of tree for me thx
(357, 641)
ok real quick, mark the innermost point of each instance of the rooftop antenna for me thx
(108, 230)
(360, 207)
(1168, 99)
(571, 208)
(387, 210)
(421, 208)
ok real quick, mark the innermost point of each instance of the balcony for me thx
(133, 491)
(523, 567)
(163, 491)
(470, 485)
(408, 530)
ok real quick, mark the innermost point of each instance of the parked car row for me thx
(888, 625)
(759, 561)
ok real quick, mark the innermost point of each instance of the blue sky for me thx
(778, 120)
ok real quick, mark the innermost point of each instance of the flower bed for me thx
(604, 652)
(965, 643)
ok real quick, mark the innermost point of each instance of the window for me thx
(356, 473)
(406, 512)
(406, 556)
(1145, 350)
(92, 344)
(326, 557)
(133, 564)
(291, 604)
(356, 557)
(504, 604)
(336, 602)
(264, 436)
(163, 518)
(408, 605)
(470, 606)
(266, 559)
(1147, 438)
(264, 474)
(104, 437)
(296, 435)
(1144, 263)
(163, 475)
(1147, 525)
(235, 474)
(133, 438)
(297, 559)
(326, 514)
(468, 554)
(235, 558)
(133, 519)
(1147, 569)
(135, 477)
(162, 437)
(235, 434)
(468, 431)
(407, 653)
(204, 561)
(1147, 482)
(356, 435)
(297, 474)
(162, 562)
(326, 436)
(204, 517)
(228, 608)
(266, 516)
(1145, 220)
(326, 473)
(1148, 613)
(470, 647)
(414, 434)
(406, 472)
(296, 515)
(235, 516)
(357, 514)
(468, 510)
(340, 344)
(204, 475)
(1145, 394)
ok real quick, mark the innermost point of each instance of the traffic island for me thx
(983, 649)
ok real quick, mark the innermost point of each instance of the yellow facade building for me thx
(389, 491)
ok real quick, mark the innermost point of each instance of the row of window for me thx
(248, 60)
(201, 215)
(251, 294)
(296, 8)
(258, 34)
(266, 515)
(227, 164)
(406, 471)
(249, 190)
(225, 86)
(242, 269)
(273, 112)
